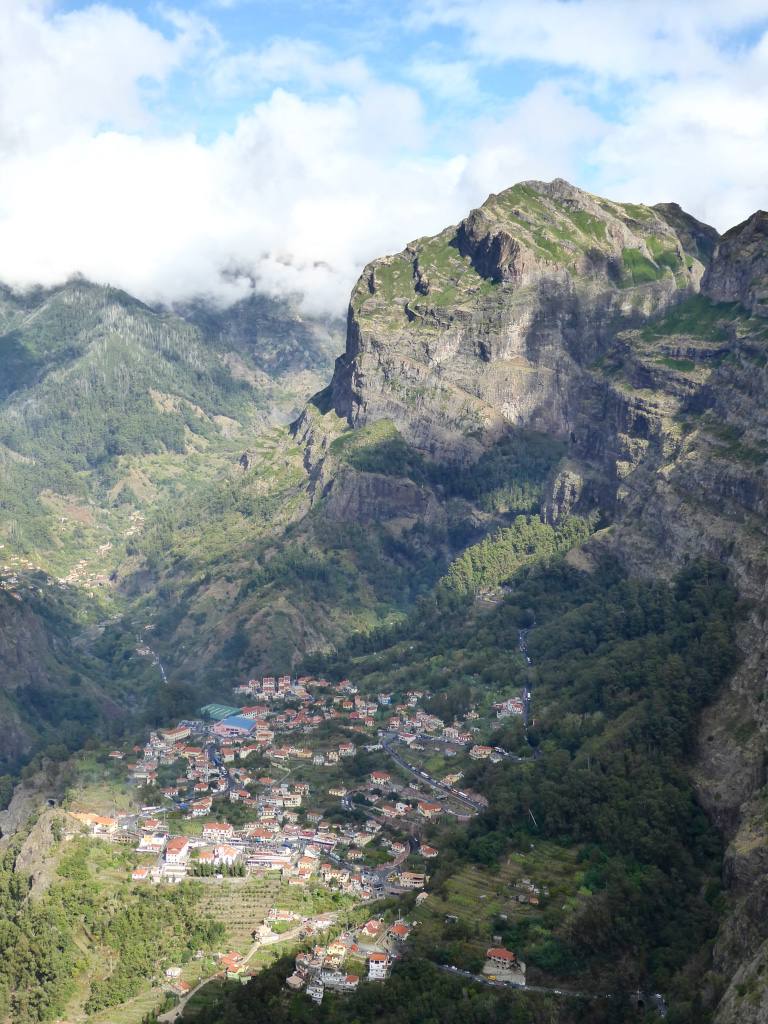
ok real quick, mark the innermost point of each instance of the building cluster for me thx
(203, 766)
(507, 708)
(370, 950)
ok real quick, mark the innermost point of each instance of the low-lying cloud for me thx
(328, 164)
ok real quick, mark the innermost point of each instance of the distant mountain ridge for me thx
(108, 409)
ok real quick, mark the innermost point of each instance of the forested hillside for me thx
(102, 400)
(110, 413)
(620, 672)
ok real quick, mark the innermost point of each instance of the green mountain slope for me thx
(108, 411)
(104, 398)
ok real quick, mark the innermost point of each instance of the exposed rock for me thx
(355, 497)
(739, 270)
(34, 856)
(524, 295)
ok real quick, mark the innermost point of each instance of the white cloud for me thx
(287, 61)
(603, 37)
(74, 73)
(333, 165)
(447, 80)
(300, 195)
(686, 85)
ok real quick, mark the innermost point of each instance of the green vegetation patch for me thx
(683, 365)
(91, 926)
(620, 671)
(495, 559)
(638, 269)
(695, 317)
(379, 448)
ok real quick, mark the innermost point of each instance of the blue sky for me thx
(180, 147)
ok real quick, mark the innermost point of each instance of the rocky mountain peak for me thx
(739, 268)
(491, 322)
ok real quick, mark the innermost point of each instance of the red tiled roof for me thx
(499, 953)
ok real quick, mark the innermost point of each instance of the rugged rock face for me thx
(355, 497)
(595, 321)
(494, 322)
(740, 273)
(28, 662)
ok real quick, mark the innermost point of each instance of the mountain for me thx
(108, 409)
(548, 417)
(638, 337)
(103, 399)
(635, 338)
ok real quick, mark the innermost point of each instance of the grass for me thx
(587, 224)
(133, 1011)
(664, 254)
(638, 268)
(207, 999)
(695, 317)
(636, 211)
(684, 365)
(733, 445)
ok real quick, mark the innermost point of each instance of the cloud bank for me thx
(330, 160)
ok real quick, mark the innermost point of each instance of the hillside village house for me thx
(151, 844)
(501, 958)
(181, 732)
(479, 752)
(378, 966)
(226, 855)
(98, 825)
(218, 830)
(177, 850)
(412, 880)
(429, 810)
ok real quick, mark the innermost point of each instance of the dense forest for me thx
(132, 932)
(620, 670)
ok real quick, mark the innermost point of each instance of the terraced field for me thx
(476, 896)
(242, 904)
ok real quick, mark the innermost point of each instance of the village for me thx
(314, 783)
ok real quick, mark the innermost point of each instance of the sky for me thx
(204, 147)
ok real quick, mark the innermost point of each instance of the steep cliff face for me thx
(494, 322)
(639, 337)
(50, 692)
(740, 272)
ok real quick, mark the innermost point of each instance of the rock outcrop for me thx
(523, 296)
(740, 272)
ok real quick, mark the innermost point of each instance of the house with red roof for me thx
(177, 850)
(500, 957)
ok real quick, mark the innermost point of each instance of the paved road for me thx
(484, 980)
(430, 781)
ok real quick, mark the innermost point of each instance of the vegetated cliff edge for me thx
(639, 337)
